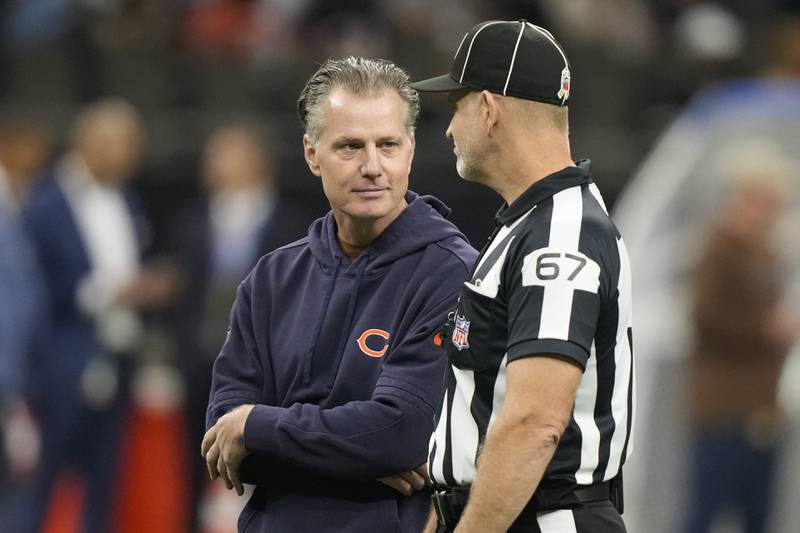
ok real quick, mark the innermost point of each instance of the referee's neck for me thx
(513, 185)
(522, 160)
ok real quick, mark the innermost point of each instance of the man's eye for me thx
(350, 147)
(390, 144)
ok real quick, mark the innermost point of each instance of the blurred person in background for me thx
(24, 147)
(243, 217)
(743, 332)
(665, 207)
(88, 242)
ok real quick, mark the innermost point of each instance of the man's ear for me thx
(490, 110)
(310, 153)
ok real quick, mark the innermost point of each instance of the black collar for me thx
(544, 189)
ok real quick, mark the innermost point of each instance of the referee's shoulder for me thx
(596, 220)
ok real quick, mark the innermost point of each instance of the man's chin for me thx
(372, 213)
(464, 172)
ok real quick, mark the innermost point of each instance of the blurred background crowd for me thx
(150, 153)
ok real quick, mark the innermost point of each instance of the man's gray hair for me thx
(360, 76)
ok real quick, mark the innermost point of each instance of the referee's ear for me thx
(490, 110)
(310, 153)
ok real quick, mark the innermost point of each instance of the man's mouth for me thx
(370, 192)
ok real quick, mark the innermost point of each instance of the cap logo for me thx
(563, 92)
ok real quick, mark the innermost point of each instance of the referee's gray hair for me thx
(360, 76)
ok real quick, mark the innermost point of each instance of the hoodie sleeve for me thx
(389, 433)
(237, 376)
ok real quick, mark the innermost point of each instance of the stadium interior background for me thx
(190, 66)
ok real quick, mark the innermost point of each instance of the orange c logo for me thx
(362, 342)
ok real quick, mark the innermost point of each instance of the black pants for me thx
(595, 517)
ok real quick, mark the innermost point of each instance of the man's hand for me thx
(223, 447)
(407, 482)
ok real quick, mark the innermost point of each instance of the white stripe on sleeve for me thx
(565, 230)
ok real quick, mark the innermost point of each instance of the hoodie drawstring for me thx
(347, 324)
(337, 261)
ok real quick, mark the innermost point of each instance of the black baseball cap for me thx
(512, 58)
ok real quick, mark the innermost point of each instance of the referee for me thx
(536, 420)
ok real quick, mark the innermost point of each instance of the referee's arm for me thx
(540, 396)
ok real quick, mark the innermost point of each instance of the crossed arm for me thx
(361, 440)
(224, 450)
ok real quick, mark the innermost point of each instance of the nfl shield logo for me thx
(460, 333)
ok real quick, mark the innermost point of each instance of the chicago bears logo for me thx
(373, 332)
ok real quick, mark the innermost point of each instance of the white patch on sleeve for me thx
(561, 270)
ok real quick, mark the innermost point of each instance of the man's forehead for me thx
(342, 99)
(350, 114)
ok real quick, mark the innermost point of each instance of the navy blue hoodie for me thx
(346, 366)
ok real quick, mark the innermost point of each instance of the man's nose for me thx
(449, 132)
(371, 166)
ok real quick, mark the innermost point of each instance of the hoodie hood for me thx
(423, 222)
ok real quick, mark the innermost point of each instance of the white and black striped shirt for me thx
(554, 280)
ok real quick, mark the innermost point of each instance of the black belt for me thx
(449, 503)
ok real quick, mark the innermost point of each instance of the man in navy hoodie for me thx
(332, 369)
